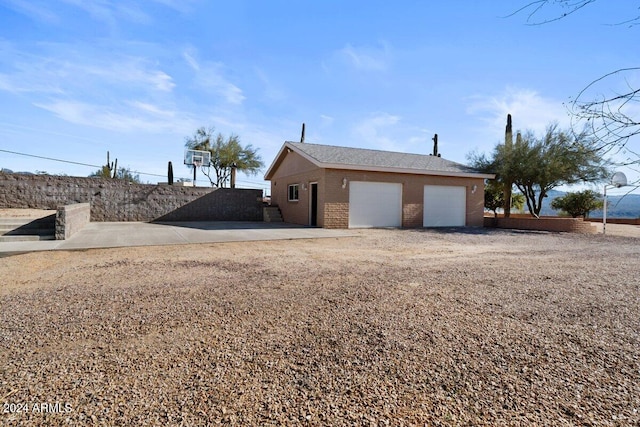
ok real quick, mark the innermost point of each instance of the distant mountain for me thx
(619, 206)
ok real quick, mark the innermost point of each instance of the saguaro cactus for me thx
(508, 145)
(110, 170)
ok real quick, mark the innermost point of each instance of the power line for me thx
(100, 166)
(50, 158)
(74, 163)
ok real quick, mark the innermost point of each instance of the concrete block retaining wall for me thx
(117, 200)
(71, 218)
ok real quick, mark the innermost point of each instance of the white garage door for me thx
(444, 206)
(375, 204)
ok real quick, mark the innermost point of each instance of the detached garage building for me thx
(341, 187)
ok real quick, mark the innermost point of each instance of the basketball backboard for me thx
(198, 158)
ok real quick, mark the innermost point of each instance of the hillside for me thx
(619, 206)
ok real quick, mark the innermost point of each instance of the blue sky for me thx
(80, 77)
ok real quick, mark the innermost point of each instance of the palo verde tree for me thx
(579, 203)
(608, 105)
(226, 153)
(494, 197)
(537, 165)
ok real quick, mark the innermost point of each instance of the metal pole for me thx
(604, 212)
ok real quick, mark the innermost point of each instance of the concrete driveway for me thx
(119, 234)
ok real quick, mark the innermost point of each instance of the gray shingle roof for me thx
(360, 157)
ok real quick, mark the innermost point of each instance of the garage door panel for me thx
(375, 204)
(445, 206)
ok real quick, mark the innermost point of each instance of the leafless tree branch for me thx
(610, 116)
(537, 7)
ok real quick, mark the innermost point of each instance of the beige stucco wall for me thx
(333, 200)
(295, 169)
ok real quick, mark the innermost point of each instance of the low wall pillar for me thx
(71, 218)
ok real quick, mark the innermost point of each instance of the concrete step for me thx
(25, 229)
(272, 214)
(26, 238)
(26, 226)
(28, 232)
(12, 220)
(26, 214)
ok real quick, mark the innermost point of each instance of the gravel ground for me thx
(393, 327)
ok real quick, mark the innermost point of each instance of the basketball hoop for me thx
(197, 159)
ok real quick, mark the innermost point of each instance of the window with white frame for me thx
(293, 193)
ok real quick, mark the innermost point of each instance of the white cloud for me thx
(71, 70)
(367, 58)
(37, 10)
(271, 91)
(529, 111)
(326, 120)
(152, 109)
(12, 84)
(142, 117)
(188, 56)
(182, 6)
(209, 76)
(133, 71)
(374, 132)
(100, 10)
(213, 80)
(162, 81)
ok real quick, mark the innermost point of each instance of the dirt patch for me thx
(394, 327)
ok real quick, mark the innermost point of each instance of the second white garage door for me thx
(444, 206)
(375, 204)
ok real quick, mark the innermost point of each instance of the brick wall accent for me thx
(71, 218)
(568, 225)
(412, 215)
(116, 200)
(336, 215)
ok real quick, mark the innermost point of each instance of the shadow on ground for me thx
(229, 225)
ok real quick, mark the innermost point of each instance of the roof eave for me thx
(407, 171)
(283, 152)
(287, 146)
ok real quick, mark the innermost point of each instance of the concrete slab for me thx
(121, 234)
(623, 230)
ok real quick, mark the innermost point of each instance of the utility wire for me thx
(50, 158)
(99, 166)
(74, 163)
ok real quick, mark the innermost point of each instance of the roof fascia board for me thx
(407, 171)
(276, 162)
(280, 157)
